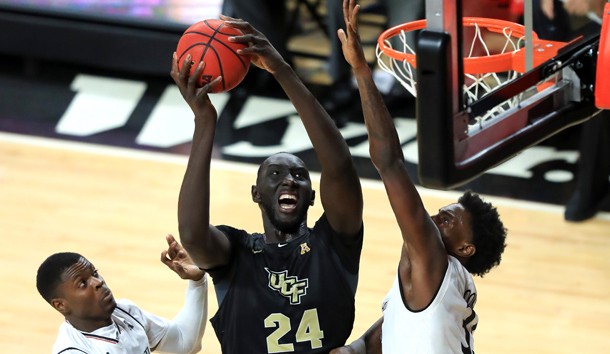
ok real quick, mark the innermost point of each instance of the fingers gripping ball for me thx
(208, 41)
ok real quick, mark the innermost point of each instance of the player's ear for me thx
(256, 197)
(61, 305)
(467, 250)
(313, 197)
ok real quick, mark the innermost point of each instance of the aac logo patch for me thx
(304, 248)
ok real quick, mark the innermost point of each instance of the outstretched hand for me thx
(197, 98)
(176, 259)
(350, 38)
(260, 51)
(577, 7)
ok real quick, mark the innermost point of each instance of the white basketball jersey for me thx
(445, 326)
(133, 331)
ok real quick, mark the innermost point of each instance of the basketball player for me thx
(97, 323)
(430, 307)
(290, 288)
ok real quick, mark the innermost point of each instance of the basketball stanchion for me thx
(602, 75)
(477, 103)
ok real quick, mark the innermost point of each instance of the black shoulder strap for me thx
(71, 348)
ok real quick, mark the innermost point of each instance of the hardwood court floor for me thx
(550, 295)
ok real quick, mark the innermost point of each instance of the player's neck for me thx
(88, 326)
(276, 236)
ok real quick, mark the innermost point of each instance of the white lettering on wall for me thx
(100, 104)
(171, 122)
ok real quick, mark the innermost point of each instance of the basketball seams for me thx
(208, 41)
(219, 62)
(217, 41)
(215, 51)
(232, 31)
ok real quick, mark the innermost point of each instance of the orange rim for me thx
(472, 65)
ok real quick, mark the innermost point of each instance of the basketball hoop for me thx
(495, 56)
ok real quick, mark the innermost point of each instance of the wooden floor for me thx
(550, 295)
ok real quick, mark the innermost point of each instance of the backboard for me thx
(455, 143)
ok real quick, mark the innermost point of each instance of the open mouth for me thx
(287, 202)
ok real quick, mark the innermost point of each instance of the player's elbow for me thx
(196, 348)
(386, 157)
(180, 341)
(192, 236)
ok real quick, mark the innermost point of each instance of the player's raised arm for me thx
(340, 190)
(422, 241)
(207, 246)
(185, 331)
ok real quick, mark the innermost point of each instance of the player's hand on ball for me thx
(195, 97)
(176, 259)
(260, 51)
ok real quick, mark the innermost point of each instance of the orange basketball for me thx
(208, 41)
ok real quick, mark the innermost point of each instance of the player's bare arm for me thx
(206, 245)
(340, 189)
(424, 258)
(368, 343)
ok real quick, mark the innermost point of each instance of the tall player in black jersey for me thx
(291, 288)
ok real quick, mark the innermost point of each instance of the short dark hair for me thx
(50, 272)
(488, 234)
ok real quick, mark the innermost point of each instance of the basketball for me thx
(208, 41)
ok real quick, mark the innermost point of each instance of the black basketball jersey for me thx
(296, 297)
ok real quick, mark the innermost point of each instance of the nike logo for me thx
(282, 244)
(256, 251)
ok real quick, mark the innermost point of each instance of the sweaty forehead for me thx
(452, 208)
(76, 269)
(283, 159)
(458, 212)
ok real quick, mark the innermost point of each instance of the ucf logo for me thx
(288, 286)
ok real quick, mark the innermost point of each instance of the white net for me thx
(482, 43)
